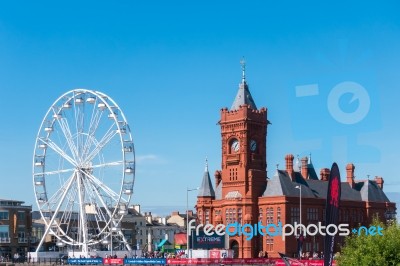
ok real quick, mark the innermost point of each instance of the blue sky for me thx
(171, 66)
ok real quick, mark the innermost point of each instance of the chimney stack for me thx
(304, 167)
(350, 174)
(324, 174)
(289, 166)
(379, 181)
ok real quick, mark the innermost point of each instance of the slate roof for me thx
(282, 185)
(243, 97)
(206, 189)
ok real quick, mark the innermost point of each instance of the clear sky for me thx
(328, 72)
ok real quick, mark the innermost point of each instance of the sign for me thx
(77, 261)
(145, 261)
(117, 261)
(203, 241)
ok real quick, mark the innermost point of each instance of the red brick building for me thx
(243, 193)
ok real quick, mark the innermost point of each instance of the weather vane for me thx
(243, 63)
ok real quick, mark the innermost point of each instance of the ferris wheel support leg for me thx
(128, 247)
(83, 216)
(55, 214)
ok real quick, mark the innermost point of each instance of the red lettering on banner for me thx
(113, 261)
(215, 254)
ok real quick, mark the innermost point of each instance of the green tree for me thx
(372, 250)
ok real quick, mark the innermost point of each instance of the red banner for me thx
(117, 261)
(256, 261)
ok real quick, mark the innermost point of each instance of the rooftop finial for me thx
(309, 159)
(243, 63)
(298, 163)
(206, 170)
(277, 166)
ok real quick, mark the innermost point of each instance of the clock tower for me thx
(244, 167)
(244, 132)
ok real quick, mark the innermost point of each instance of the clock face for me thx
(253, 145)
(235, 145)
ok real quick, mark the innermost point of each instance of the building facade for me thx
(15, 228)
(243, 193)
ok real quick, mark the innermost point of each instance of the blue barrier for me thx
(85, 261)
(145, 261)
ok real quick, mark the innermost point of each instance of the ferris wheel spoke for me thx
(55, 172)
(107, 164)
(98, 213)
(78, 115)
(66, 217)
(55, 198)
(57, 149)
(105, 206)
(103, 142)
(68, 136)
(101, 185)
(93, 125)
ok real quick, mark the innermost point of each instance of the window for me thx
(312, 214)
(200, 215)
(4, 215)
(240, 215)
(207, 216)
(346, 216)
(294, 215)
(270, 243)
(316, 245)
(4, 231)
(353, 215)
(21, 216)
(234, 215)
(278, 214)
(21, 234)
(307, 247)
(260, 216)
(270, 215)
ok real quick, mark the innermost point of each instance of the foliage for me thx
(368, 250)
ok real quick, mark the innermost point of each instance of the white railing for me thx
(22, 240)
(5, 240)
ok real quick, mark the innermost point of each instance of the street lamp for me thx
(301, 234)
(187, 218)
(299, 187)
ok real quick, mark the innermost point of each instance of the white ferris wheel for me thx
(83, 170)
